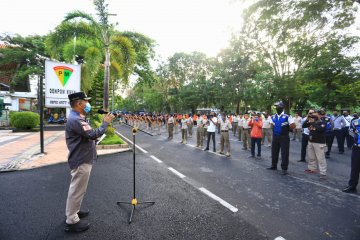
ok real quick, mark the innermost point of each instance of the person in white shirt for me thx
(349, 139)
(298, 127)
(190, 123)
(211, 128)
(266, 130)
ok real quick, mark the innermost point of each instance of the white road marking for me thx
(176, 172)
(220, 200)
(156, 159)
(8, 143)
(279, 238)
(140, 148)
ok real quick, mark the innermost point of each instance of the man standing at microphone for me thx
(80, 140)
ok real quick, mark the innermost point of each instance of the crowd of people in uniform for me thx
(316, 132)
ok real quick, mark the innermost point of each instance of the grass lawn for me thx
(113, 139)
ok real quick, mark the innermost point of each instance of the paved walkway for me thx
(22, 150)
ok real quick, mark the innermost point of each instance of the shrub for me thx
(110, 131)
(24, 120)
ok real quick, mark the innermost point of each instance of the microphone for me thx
(100, 111)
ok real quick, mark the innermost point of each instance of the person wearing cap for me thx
(317, 144)
(80, 141)
(282, 124)
(355, 157)
(234, 124)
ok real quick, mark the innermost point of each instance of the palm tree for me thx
(95, 41)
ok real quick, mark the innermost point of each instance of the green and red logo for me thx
(63, 73)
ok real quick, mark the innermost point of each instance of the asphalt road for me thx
(33, 204)
(197, 194)
(296, 206)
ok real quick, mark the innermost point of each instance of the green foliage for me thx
(110, 131)
(24, 120)
(112, 139)
(26, 53)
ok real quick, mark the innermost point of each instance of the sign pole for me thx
(41, 112)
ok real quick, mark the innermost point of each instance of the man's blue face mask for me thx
(87, 107)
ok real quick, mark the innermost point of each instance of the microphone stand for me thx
(134, 201)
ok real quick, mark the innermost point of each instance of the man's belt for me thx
(224, 130)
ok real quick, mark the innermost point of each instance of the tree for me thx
(289, 33)
(26, 53)
(100, 36)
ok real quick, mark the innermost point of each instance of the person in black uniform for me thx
(355, 157)
(282, 123)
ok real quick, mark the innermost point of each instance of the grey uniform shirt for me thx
(80, 139)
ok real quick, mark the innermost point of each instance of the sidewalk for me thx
(21, 151)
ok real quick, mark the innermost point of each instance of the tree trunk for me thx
(106, 79)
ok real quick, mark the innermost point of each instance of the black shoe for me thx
(341, 152)
(83, 213)
(284, 172)
(327, 156)
(349, 189)
(272, 168)
(301, 160)
(80, 226)
(214, 150)
(206, 149)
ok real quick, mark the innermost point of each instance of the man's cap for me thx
(279, 104)
(78, 96)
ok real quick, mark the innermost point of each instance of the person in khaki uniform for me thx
(200, 131)
(170, 126)
(246, 132)
(190, 123)
(317, 144)
(184, 128)
(225, 126)
(267, 130)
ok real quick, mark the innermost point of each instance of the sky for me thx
(175, 25)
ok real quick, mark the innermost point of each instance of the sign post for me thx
(61, 79)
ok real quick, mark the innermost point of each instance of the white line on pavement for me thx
(140, 148)
(176, 172)
(156, 159)
(279, 238)
(221, 201)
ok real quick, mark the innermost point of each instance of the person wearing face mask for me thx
(80, 140)
(282, 123)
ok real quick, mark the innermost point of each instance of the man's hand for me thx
(108, 118)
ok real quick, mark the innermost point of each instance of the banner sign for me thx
(61, 79)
